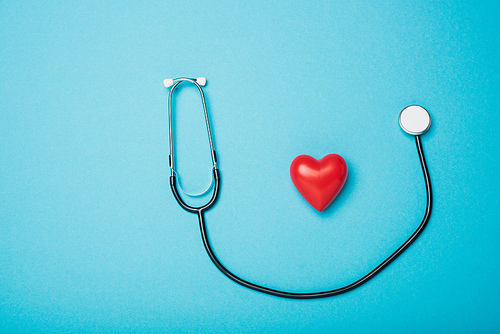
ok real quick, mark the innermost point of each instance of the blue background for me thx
(92, 240)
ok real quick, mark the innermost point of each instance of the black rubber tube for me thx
(328, 293)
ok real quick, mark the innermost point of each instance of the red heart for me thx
(319, 181)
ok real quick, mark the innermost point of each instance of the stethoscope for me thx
(413, 119)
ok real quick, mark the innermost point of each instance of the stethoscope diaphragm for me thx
(414, 120)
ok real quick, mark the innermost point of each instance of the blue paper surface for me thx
(92, 240)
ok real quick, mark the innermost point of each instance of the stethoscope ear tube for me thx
(174, 83)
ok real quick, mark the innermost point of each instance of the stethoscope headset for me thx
(414, 120)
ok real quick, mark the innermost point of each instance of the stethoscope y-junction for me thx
(414, 120)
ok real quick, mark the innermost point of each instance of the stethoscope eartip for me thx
(414, 120)
(202, 81)
(168, 82)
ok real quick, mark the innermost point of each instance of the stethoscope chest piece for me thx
(414, 120)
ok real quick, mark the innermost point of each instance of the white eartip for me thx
(168, 82)
(201, 81)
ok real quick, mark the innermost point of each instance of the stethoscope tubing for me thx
(309, 295)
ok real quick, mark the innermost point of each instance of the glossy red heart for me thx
(319, 181)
